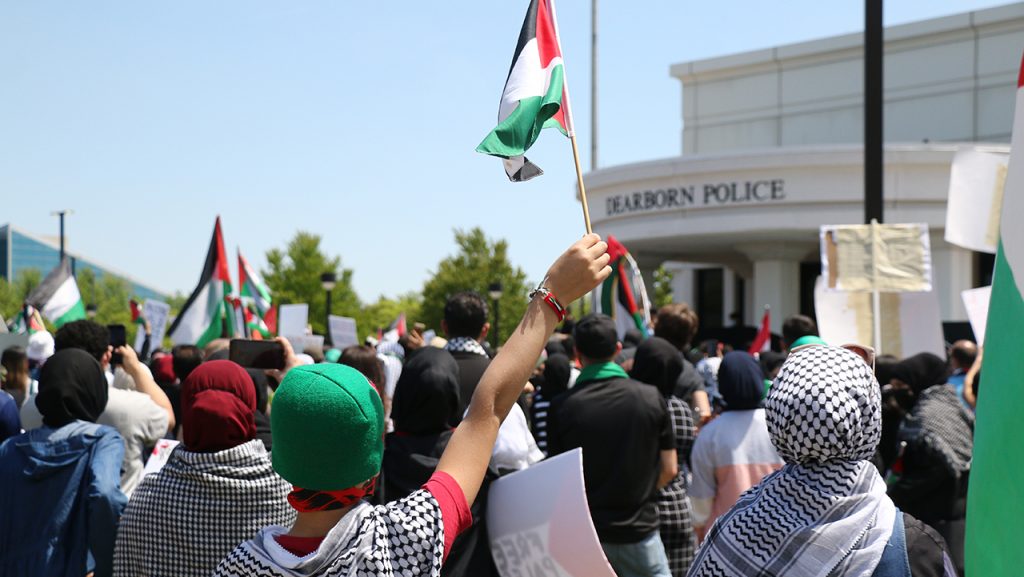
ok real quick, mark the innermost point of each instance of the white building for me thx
(772, 150)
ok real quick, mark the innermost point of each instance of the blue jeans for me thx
(643, 559)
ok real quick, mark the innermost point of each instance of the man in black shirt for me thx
(465, 324)
(625, 432)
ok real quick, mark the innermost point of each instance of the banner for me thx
(343, 332)
(882, 257)
(539, 522)
(976, 182)
(158, 314)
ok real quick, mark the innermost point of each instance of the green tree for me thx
(381, 313)
(110, 296)
(662, 286)
(13, 294)
(478, 262)
(293, 276)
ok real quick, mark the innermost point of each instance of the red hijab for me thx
(217, 404)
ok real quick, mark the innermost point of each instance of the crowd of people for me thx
(377, 459)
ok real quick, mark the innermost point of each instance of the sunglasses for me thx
(866, 353)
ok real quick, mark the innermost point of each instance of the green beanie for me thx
(808, 340)
(328, 428)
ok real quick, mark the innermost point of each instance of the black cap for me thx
(596, 337)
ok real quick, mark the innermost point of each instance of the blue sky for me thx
(355, 121)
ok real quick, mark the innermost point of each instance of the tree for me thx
(381, 313)
(293, 276)
(478, 263)
(662, 286)
(13, 294)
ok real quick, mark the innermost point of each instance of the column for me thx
(728, 295)
(682, 282)
(776, 279)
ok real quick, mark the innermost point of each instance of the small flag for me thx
(58, 297)
(202, 319)
(995, 500)
(763, 340)
(34, 324)
(270, 319)
(256, 327)
(252, 288)
(136, 308)
(618, 295)
(395, 330)
(536, 95)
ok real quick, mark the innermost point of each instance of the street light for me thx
(328, 280)
(90, 310)
(494, 291)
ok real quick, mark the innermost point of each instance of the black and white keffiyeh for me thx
(465, 345)
(826, 512)
(184, 519)
(940, 423)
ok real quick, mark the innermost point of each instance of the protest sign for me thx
(158, 314)
(539, 522)
(976, 302)
(8, 340)
(976, 182)
(343, 331)
(910, 322)
(882, 257)
(160, 455)
(291, 324)
(312, 342)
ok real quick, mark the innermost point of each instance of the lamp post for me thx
(494, 291)
(328, 280)
(62, 214)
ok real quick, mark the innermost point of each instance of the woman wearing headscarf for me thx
(426, 399)
(61, 496)
(826, 512)
(554, 382)
(217, 489)
(936, 439)
(657, 362)
(733, 452)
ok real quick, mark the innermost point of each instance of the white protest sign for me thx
(311, 342)
(882, 257)
(910, 322)
(539, 522)
(291, 324)
(343, 331)
(976, 302)
(158, 314)
(160, 455)
(976, 182)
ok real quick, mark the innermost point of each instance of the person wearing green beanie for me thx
(328, 428)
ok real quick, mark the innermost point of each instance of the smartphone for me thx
(257, 354)
(118, 338)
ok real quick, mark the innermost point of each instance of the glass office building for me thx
(21, 251)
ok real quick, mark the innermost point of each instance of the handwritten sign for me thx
(158, 314)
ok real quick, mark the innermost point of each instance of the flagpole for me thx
(579, 183)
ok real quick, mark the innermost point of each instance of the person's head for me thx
(427, 394)
(771, 362)
(72, 387)
(597, 339)
(919, 372)
(557, 371)
(632, 339)
(217, 349)
(676, 323)
(86, 335)
(657, 362)
(740, 382)
(465, 315)
(163, 370)
(824, 406)
(884, 367)
(15, 362)
(218, 402)
(364, 359)
(186, 358)
(798, 326)
(962, 355)
(317, 353)
(327, 425)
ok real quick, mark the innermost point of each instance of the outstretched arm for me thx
(577, 271)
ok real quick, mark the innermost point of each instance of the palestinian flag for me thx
(270, 319)
(995, 500)
(255, 326)
(763, 340)
(536, 95)
(251, 287)
(58, 297)
(34, 324)
(395, 330)
(207, 314)
(136, 308)
(618, 296)
(240, 328)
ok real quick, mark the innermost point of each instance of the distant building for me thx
(21, 251)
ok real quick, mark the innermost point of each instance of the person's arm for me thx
(577, 271)
(146, 344)
(669, 467)
(703, 405)
(144, 382)
(972, 374)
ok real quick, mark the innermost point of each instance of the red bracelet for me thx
(552, 302)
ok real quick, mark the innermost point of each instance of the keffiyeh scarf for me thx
(465, 345)
(826, 512)
(940, 423)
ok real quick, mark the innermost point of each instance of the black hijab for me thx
(427, 393)
(740, 382)
(921, 371)
(72, 386)
(657, 363)
(557, 370)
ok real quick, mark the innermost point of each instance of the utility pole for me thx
(874, 175)
(593, 85)
(62, 214)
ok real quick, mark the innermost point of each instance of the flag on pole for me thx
(34, 322)
(623, 295)
(256, 326)
(763, 340)
(536, 95)
(202, 319)
(136, 309)
(240, 326)
(252, 287)
(395, 330)
(995, 502)
(58, 297)
(270, 319)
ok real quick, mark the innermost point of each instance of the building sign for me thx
(711, 194)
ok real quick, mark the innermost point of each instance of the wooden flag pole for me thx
(579, 183)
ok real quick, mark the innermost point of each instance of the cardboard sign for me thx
(343, 331)
(160, 455)
(882, 257)
(158, 314)
(540, 525)
(291, 324)
(976, 302)
(976, 182)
